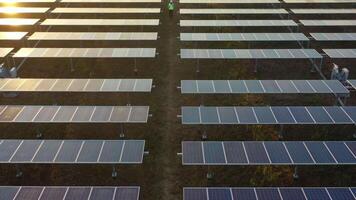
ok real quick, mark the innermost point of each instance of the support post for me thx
(39, 133)
(256, 66)
(122, 131)
(18, 171)
(295, 174)
(281, 132)
(71, 64)
(114, 172)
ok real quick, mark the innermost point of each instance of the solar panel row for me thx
(334, 36)
(5, 51)
(231, 11)
(352, 82)
(269, 193)
(93, 36)
(243, 37)
(269, 115)
(22, 10)
(107, 10)
(246, 23)
(249, 54)
(268, 153)
(18, 21)
(100, 22)
(338, 22)
(85, 53)
(263, 86)
(12, 35)
(69, 192)
(230, 1)
(320, 1)
(80, 1)
(340, 53)
(323, 11)
(73, 114)
(75, 85)
(72, 151)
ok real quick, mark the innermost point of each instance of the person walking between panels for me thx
(171, 8)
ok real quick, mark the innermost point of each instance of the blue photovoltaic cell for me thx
(338, 114)
(29, 193)
(264, 115)
(352, 146)
(189, 86)
(53, 193)
(219, 194)
(213, 152)
(283, 115)
(235, 152)
(301, 115)
(298, 152)
(209, 115)
(277, 153)
(353, 191)
(221, 86)
(340, 193)
(102, 193)
(316, 194)
(244, 194)
(341, 152)
(292, 194)
(319, 152)
(245, 115)
(8, 192)
(267, 194)
(7, 148)
(79, 193)
(256, 153)
(227, 115)
(238, 86)
(351, 111)
(195, 194)
(319, 114)
(190, 115)
(192, 152)
(254, 86)
(205, 86)
(270, 86)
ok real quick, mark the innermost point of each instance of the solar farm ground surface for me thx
(162, 176)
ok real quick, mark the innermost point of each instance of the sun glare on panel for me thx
(10, 10)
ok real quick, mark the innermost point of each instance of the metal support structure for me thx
(114, 172)
(296, 174)
(19, 173)
(122, 131)
(281, 132)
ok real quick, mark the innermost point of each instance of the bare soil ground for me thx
(162, 175)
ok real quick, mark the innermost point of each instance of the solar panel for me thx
(263, 87)
(100, 22)
(340, 53)
(235, 23)
(110, 1)
(267, 193)
(85, 53)
(12, 35)
(75, 85)
(334, 36)
(93, 36)
(230, 1)
(243, 37)
(338, 22)
(72, 151)
(5, 51)
(73, 114)
(249, 54)
(18, 21)
(352, 83)
(22, 10)
(231, 11)
(323, 11)
(268, 153)
(70, 192)
(106, 10)
(320, 1)
(269, 115)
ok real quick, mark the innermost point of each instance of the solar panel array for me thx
(5, 51)
(100, 22)
(12, 35)
(320, 1)
(280, 193)
(323, 11)
(93, 36)
(269, 153)
(75, 85)
(72, 151)
(106, 10)
(73, 114)
(18, 21)
(69, 192)
(85, 53)
(263, 87)
(269, 115)
(243, 37)
(110, 1)
(22, 10)
(249, 54)
(229, 1)
(352, 83)
(338, 22)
